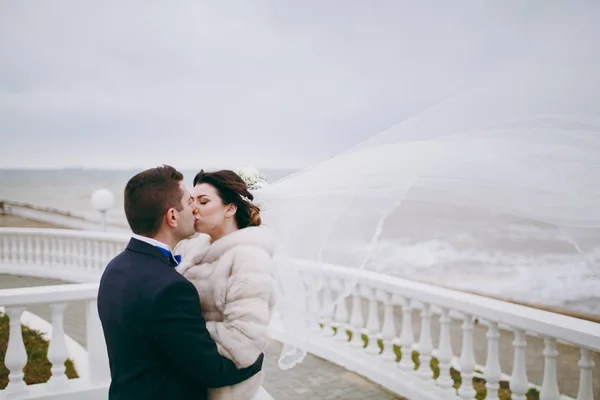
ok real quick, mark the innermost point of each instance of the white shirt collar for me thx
(152, 242)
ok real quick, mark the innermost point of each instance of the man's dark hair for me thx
(148, 196)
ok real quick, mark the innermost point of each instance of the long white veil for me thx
(504, 159)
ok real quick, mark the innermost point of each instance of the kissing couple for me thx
(185, 308)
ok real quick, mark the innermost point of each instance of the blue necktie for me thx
(173, 259)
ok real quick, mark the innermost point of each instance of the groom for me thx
(158, 345)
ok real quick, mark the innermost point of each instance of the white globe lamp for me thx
(102, 201)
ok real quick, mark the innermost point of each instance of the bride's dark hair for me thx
(233, 189)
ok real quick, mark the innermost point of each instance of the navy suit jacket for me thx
(158, 345)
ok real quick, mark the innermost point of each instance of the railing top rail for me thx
(576, 331)
(66, 233)
(573, 330)
(48, 294)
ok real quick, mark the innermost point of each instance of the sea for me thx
(519, 261)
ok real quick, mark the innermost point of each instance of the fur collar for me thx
(256, 236)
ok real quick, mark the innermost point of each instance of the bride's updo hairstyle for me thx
(232, 189)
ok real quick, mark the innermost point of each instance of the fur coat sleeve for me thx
(236, 287)
(243, 333)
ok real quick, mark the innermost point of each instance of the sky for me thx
(193, 83)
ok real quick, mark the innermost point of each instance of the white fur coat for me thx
(234, 280)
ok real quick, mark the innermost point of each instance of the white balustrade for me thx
(467, 359)
(445, 381)
(57, 298)
(425, 345)
(356, 319)
(373, 326)
(388, 330)
(328, 309)
(406, 338)
(76, 255)
(57, 351)
(314, 286)
(492, 371)
(550, 384)
(398, 296)
(585, 379)
(518, 380)
(16, 357)
(341, 312)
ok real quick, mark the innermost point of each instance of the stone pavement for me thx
(314, 378)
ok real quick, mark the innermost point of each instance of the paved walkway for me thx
(314, 378)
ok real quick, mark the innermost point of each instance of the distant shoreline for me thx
(7, 204)
(53, 217)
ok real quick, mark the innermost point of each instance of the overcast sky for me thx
(194, 83)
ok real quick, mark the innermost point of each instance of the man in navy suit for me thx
(158, 345)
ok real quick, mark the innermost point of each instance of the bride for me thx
(229, 261)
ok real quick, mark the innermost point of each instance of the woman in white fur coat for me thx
(229, 262)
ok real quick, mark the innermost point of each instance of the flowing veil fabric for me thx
(509, 140)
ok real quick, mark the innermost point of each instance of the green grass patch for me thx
(37, 369)
(504, 392)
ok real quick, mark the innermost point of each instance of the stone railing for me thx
(367, 332)
(96, 379)
(376, 324)
(75, 256)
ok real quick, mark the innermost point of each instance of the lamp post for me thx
(103, 200)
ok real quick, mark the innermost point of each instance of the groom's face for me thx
(185, 225)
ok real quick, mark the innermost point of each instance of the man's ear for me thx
(171, 218)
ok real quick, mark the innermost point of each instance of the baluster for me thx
(467, 359)
(16, 356)
(356, 319)
(492, 371)
(71, 252)
(57, 351)
(341, 316)
(373, 324)
(388, 331)
(549, 384)
(444, 381)
(66, 251)
(105, 256)
(406, 337)
(586, 366)
(5, 255)
(97, 355)
(519, 383)
(328, 309)
(90, 255)
(38, 250)
(14, 249)
(87, 256)
(28, 254)
(53, 250)
(45, 250)
(97, 262)
(81, 254)
(21, 250)
(49, 250)
(425, 345)
(313, 287)
(60, 246)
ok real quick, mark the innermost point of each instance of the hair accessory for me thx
(251, 177)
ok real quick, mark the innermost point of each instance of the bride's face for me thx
(211, 211)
